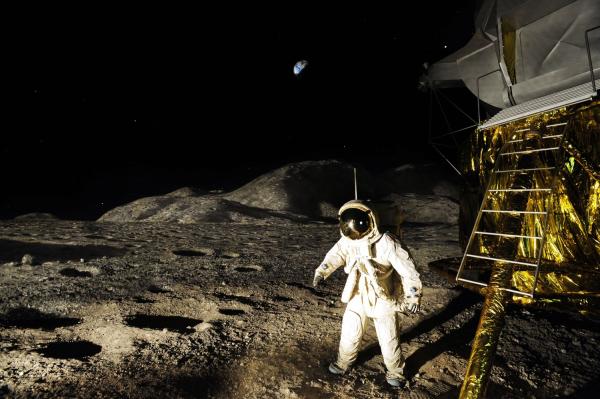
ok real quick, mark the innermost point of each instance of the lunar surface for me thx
(226, 310)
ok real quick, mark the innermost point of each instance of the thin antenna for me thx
(355, 186)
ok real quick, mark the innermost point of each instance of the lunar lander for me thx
(531, 228)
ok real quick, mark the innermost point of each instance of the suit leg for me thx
(388, 335)
(353, 327)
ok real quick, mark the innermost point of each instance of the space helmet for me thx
(357, 221)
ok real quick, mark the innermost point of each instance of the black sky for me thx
(105, 105)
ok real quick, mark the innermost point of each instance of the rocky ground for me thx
(208, 294)
(226, 310)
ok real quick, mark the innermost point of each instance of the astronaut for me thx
(382, 281)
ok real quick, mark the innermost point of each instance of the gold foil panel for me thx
(570, 257)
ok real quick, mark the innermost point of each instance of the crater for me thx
(305, 287)
(248, 268)
(241, 299)
(143, 300)
(70, 349)
(183, 325)
(279, 298)
(72, 272)
(194, 252)
(33, 318)
(159, 289)
(232, 312)
(95, 236)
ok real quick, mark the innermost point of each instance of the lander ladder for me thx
(547, 149)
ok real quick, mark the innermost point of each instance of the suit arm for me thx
(403, 264)
(334, 259)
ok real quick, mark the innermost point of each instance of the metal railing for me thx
(589, 54)
(590, 63)
(432, 139)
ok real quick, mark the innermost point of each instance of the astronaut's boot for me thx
(335, 369)
(396, 380)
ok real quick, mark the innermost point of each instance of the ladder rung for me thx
(508, 211)
(502, 260)
(464, 280)
(553, 136)
(471, 281)
(530, 151)
(527, 294)
(519, 189)
(507, 235)
(557, 124)
(544, 137)
(524, 170)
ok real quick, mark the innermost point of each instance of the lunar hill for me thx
(302, 192)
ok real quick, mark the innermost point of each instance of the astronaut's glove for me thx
(411, 304)
(319, 274)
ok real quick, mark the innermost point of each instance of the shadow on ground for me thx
(449, 341)
(140, 383)
(13, 251)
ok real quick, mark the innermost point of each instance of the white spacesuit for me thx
(382, 281)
